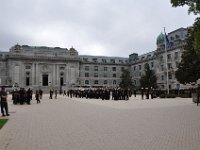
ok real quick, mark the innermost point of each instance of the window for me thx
(86, 81)
(105, 75)
(96, 68)
(177, 36)
(177, 63)
(162, 67)
(86, 74)
(122, 68)
(162, 77)
(112, 61)
(134, 68)
(27, 73)
(104, 61)
(170, 76)
(169, 66)
(161, 58)
(169, 57)
(94, 60)
(121, 61)
(152, 64)
(114, 75)
(114, 82)
(28, 67)
(140, 67)
(96, 75)
(87, 68)
(62, 68)
(96, 82)
(85, 59)
(113, 68)
(105, 82)
(105, 68)
(176, 55)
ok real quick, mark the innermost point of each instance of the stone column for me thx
(57, 74)
(54, 75)
(37, 75)
(33, 74)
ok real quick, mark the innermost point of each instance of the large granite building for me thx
(46, 67)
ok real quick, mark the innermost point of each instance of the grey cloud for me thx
(114, 28)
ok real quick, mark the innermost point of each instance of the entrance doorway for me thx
(45, 80)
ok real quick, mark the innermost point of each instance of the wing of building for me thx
(55, 67)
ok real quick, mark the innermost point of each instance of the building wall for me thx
(23, 62)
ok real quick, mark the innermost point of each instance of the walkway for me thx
(86, 124)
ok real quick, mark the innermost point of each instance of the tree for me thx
(149, 79)
(189, 67)
(196, 32)
(126, 81)
(194, 6)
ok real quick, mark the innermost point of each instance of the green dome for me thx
(160, 38)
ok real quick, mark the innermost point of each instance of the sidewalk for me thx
(90, 124)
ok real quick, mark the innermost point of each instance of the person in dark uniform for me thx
(135, 92)
(51, 94)
(4, 103)
(142, 93)
(37, 96)
(198, 94)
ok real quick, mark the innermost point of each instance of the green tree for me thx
(194, 7)
(196, 32)
(126, 81)
(149, 79)
(189, 67)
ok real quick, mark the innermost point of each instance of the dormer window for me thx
(94, 60)
(112, 61)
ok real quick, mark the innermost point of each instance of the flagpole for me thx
(166, 63)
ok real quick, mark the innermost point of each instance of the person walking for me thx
(37, 96)
(4, 103)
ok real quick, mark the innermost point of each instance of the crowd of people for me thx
(23, 96)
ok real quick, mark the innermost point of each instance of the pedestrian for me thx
(142, 93)
(37, 96)
(198, 94)
(56, 93)
(4, 103)
(135, 92)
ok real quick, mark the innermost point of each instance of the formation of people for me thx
(100, 93)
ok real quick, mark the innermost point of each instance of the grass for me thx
(2, 122)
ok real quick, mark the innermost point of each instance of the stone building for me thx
(46, 67)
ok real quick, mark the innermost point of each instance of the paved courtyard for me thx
(89, 124)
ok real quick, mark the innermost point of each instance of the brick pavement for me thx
(85, 124)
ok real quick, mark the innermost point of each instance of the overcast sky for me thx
(93, 27)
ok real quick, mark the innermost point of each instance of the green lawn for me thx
(2, 122)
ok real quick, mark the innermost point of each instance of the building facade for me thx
(47, 67)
